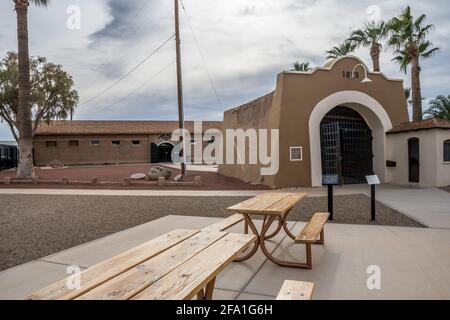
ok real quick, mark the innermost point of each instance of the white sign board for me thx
(373, 179)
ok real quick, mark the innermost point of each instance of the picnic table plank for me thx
(129, 283)
(110, 268)
(184, 282)
(286, 203)
(258, 204)
(314, 227)
(225, 223)
(296, 290)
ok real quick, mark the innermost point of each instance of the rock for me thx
(156, 172)
(198, 181)
(138, 176)
(178, 177)
(161, 181)
(55, 164)
(127, 182)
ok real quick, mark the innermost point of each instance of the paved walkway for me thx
(413, 262)
(429, 206)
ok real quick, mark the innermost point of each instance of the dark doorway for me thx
(414, 160)
(346, 142)
(8, 157)
(162, 152)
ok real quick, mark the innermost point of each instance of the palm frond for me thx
(429, 53)
(342, 49)
(439, 108)
(303, 66)
(409, 35)
(40, 3)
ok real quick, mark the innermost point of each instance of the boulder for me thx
(137, 176)
(157, 172)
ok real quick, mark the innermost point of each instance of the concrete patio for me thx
(414, 262)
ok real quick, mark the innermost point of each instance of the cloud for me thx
(245, 45)
(125, 18)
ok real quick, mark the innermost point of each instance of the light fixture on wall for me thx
(366, 78)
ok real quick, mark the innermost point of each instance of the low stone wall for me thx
(96, 182)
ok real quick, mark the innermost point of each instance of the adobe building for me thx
(342, 119)
(107, 142)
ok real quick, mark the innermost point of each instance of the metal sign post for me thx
(330, 180)
(372, 181)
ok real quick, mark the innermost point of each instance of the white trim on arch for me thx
(371, 110)
(168, 142)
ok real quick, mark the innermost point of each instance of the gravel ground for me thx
(33, 226)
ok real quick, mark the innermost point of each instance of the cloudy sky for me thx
(245, 43)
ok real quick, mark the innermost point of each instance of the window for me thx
(296, 153)
(50, 144)
(136, 142)
(447, 150)
(115, 143)
(95, 143)
(73, 143)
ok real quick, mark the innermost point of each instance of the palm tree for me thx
(409, 40)
(303, 67)
(439, 108)
(25, 168)
(371, 35)
(342, 49)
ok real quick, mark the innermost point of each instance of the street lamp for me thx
(366, 78)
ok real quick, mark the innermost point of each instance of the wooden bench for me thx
(296, 290)
(310, 233)
(179, 265)
(226, 223)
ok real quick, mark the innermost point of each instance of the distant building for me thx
(9, 143)
(422, 152)
(107, 142)
(8, 155)
(333, 120)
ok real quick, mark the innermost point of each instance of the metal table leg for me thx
(278, 261)
(249, 223)
(207, 293)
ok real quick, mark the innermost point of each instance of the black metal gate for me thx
(346, 142)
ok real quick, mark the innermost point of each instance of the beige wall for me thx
(297, 94)
(443, 168)
(433, 171)
(86, 154)
(258, 114)
(105, 153)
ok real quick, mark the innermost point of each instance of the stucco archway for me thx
(370, 109)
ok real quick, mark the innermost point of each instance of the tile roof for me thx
(420, 125)
(118, 127)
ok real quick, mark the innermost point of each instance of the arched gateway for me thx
(346, 145)
(330, 120)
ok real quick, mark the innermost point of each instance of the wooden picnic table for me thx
(178, 266)
(273, 206)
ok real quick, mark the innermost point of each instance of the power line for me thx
(201, 55)
(128, 73)
(153, 77)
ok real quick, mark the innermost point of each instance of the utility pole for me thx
(180, 86)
